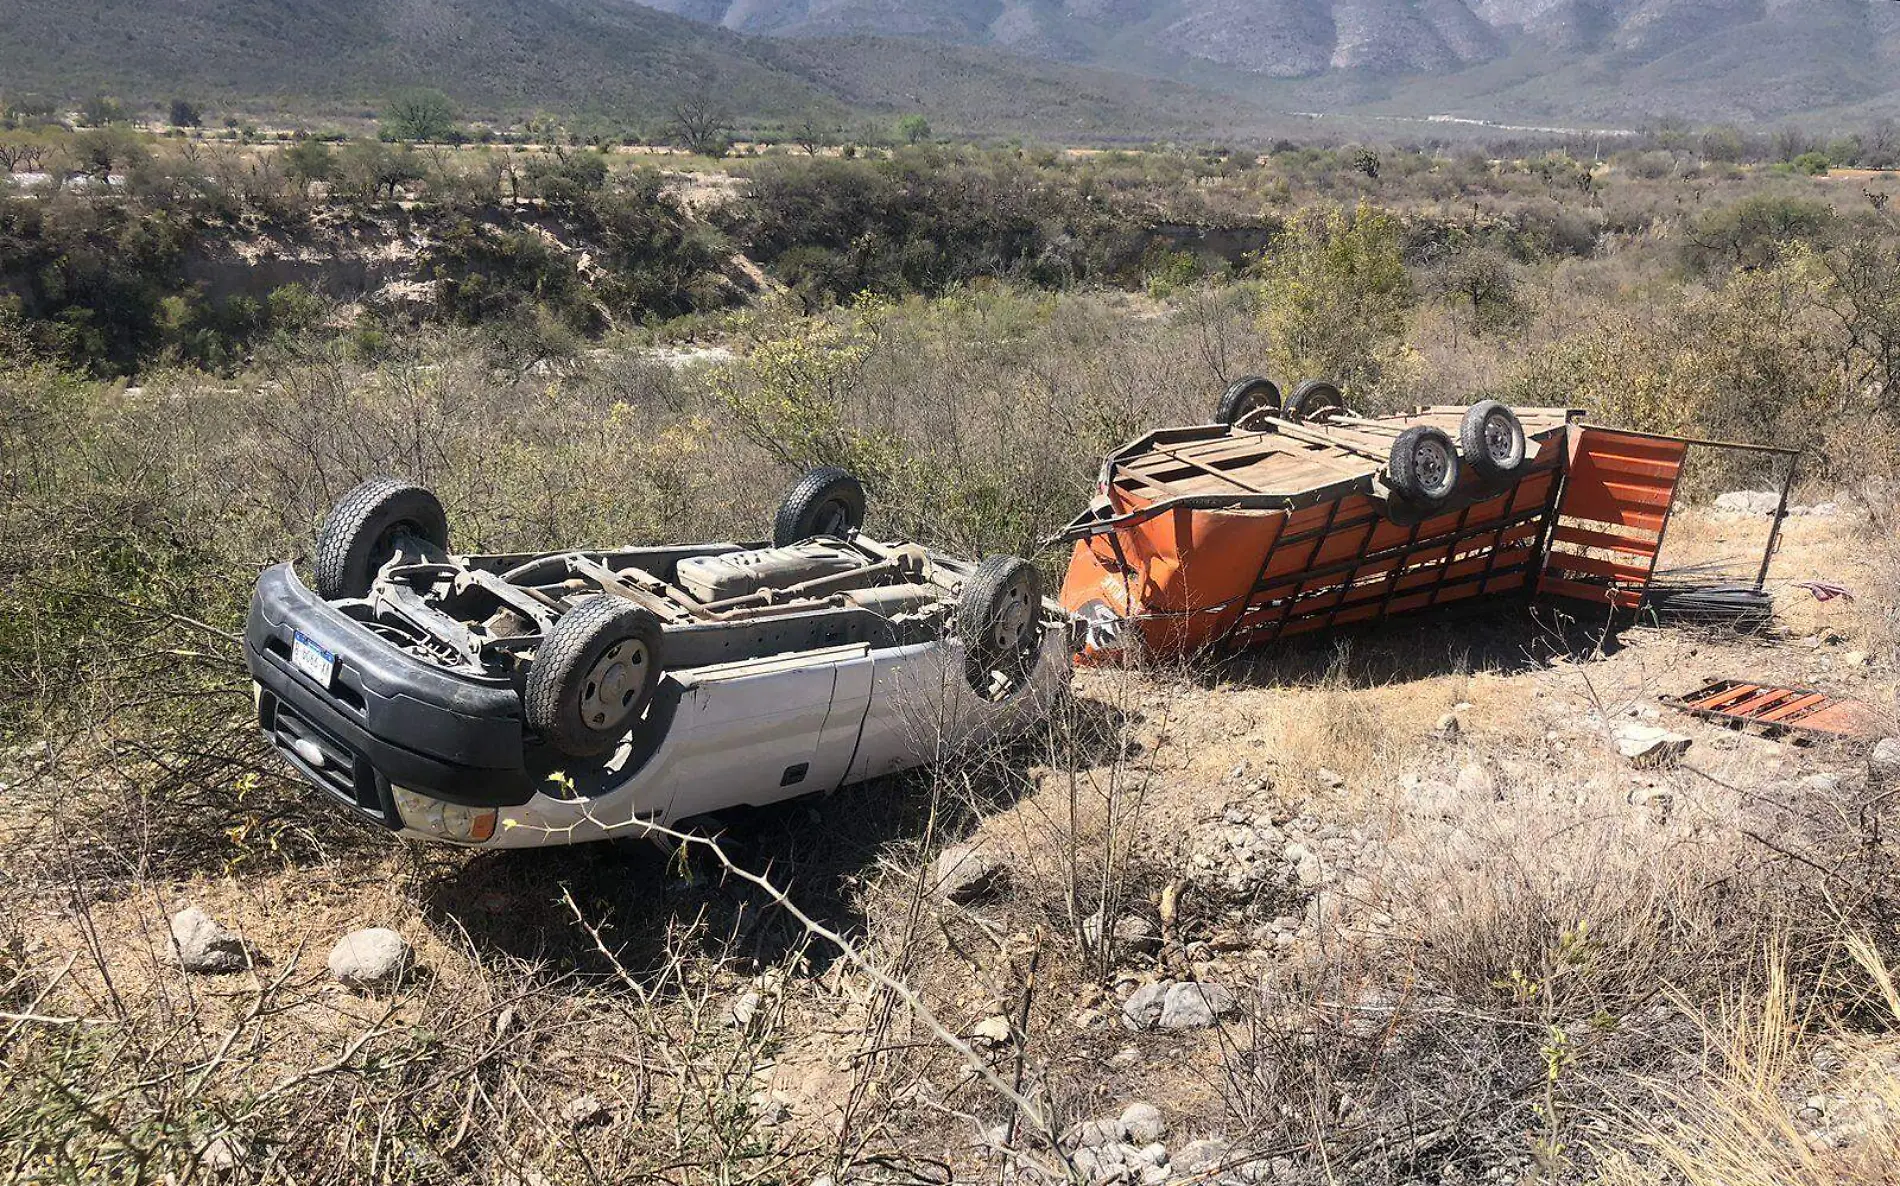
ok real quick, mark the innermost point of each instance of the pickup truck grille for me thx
(326, 762)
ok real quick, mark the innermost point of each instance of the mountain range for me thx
(1541, 60)
(1077, 69)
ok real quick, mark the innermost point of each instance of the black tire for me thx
(360, 534)
(1492, 439)
(826, 501)
(999, 618)
(1314, 396)
(1244, 397)
(1423, 468)
(593, 676)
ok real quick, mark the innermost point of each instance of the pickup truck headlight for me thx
(451, 821)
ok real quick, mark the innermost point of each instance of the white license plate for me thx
(311, 659)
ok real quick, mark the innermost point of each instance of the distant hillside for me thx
(592, 56)
(1596, 60)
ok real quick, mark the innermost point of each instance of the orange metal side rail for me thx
(1767, 706)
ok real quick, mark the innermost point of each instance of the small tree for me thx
(1336, 300)
(912, 129)
(421, 114)
(100, 110)
(700, 124)
(185, 114)
(23, 152)
(1483, 279)
(811, 133)
(1366, 161)
(372, 170)
(309, 160)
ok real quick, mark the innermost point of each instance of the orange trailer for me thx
(1223, 536)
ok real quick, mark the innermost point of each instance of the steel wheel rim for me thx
(613, 685)
(1014, 618)
(1432, 464)
(1500, 443)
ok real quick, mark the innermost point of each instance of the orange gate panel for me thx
(1611, 514)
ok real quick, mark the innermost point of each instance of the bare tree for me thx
(22, 155)
(812, 133)
(701, 124)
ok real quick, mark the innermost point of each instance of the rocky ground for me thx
(1454, 900)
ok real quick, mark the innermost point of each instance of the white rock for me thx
(1448, 726)
(375, 957)
(1133, 933)
(1883, 761)
(1649, 747)
(1475, 782)
(219, 1156)
(993, 1030)
(1200, 1156)
(743, 1010)
(583, 1110)
(1749, 502)
(203, 945)
(1194, 1006)
(965, 873)
(1329, 778)
(1095, 1135)
(1144, 1124)
(1143, 1006)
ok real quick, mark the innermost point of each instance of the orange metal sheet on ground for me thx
(1771, 707)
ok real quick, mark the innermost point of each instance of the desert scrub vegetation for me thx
(1483, 952)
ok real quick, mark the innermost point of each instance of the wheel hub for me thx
(1014, 619)
(832, 519)
(613, 683)
(1431, 463)
(1498, 439)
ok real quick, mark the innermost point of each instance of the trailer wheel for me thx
(999, 617)
(1424, 465)
(1314, 397)
(1244, 397)
(593, 675)
(1492, 438)
(360, 534)
(827, 501)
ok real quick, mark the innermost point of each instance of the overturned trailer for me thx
(1283, 520)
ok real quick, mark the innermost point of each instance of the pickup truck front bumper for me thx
(385, 717)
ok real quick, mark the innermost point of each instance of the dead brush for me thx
(1744, 1123)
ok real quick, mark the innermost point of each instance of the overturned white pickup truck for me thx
(525, 700)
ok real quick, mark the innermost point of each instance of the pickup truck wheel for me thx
(362, 529)
(1423, 467)
(999, 616)
(828, 501)
(593, 675)
(1244, 397)
(1492, 438)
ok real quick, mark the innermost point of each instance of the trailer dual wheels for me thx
(827, 501)
(363, 529)
(1244, 397)
(999, 617)
(1492, 438)
(593, 676)
(1314, 398)
(1423, 467)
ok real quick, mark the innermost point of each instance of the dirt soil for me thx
(1382, 851)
